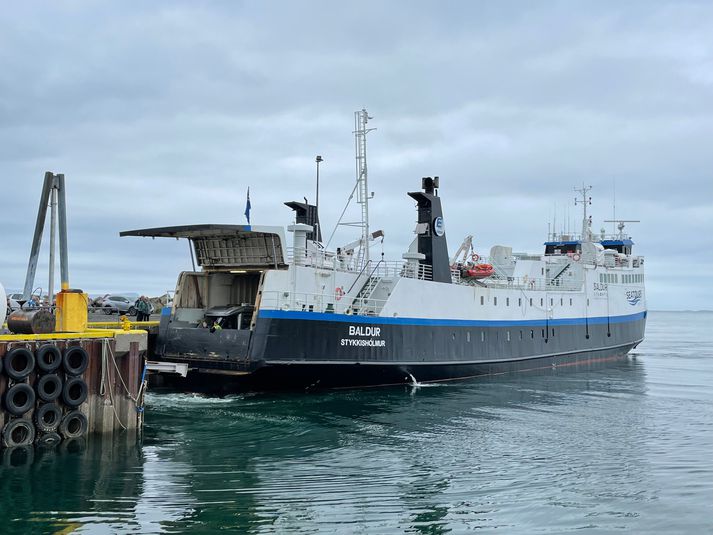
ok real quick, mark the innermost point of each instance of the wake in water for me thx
(168, 400)
(415, 384)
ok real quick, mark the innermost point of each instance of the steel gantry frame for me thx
(53, 195)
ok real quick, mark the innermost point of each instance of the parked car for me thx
(118, 304)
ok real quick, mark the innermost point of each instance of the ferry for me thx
(261, 311)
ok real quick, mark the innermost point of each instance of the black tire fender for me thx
(19, 399)
(74, 425)
(48, 417)
(49, 387)
(75, 391)
(48, 357)
(75, 360)
(48, 440)
(19, 363)
(19, 432)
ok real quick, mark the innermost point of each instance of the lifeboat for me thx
(479, 271)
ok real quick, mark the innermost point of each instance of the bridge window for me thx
(542, 302)
(495, 301)
(561, 301)
(482, 300)
(552, 302)
(507, 301)
(570, 301)
(543, 333)
(532, 333)
(530, 301)
(519, 301)
(520, 335)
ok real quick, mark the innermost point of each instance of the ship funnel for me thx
(306, 214)
(431, 229)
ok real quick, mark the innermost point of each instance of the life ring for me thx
(576, 257)
(475, 257)
(338, 293)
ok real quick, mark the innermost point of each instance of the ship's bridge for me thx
(569, 247)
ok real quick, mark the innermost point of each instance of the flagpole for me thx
(318, 160)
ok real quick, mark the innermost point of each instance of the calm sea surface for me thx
(627, 448)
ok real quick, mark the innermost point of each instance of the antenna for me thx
(584, 201)
(360, 131)
(621, 225)
(614, 204)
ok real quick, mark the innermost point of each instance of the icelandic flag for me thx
(247, 207)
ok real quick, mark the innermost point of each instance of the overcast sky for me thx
(163, 113)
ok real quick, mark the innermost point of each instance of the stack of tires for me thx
(44, 392)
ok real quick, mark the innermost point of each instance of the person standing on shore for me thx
(147, 308)
(141, 306)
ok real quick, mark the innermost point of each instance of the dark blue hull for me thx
(307, 351)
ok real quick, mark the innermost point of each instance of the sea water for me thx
(623, 448)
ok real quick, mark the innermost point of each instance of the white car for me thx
(118, 304)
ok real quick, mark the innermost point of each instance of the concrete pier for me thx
(97, 387)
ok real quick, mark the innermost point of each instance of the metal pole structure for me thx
(53, 232)
(318, 160)
(190, 248)
(63, 260)
(37, 238)
(360, 131)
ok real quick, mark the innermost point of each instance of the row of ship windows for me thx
(634, 277)
(613, 278)
(519, 301)
(507, 335)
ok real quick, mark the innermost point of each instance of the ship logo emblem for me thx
(439, 227)
(633, 297)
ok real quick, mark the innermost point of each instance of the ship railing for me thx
(533, 283)
(328, 303)
(455, 276)
(346, 263)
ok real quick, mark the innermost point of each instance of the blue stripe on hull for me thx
(378, 320)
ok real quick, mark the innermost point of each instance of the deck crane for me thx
(463, 250)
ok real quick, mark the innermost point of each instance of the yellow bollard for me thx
(71, 311)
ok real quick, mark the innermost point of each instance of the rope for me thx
(111, 391)
(128, 392)
(339, 222)
(104, 382)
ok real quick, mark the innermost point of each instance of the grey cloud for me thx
(164, 114)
